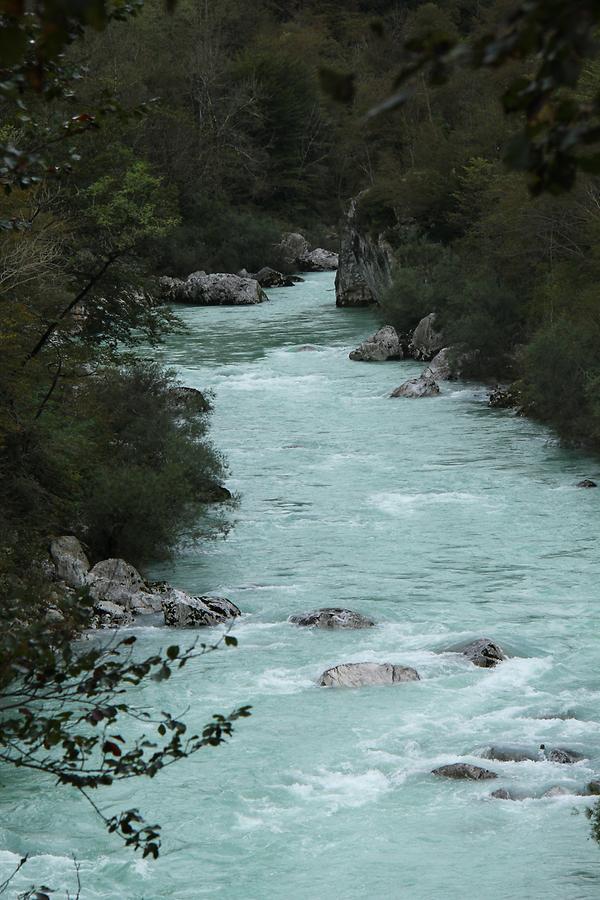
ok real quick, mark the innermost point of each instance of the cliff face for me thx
(365, 264)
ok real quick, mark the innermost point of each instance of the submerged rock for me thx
(219, 289)
(510, 754)
(558, 791)
(464, 771)
(426, 341)
(361, 674)
(384, 344)
(331, 617)
(587, 483)
(183, 611)
(70, 560)
(318, 260)
(593, 788)
(502, 794)
(484, 653)
(423, 386)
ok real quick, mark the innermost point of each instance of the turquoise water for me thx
(441, 519)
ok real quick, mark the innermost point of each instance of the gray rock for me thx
(291, 248)
(484, 653)
(110, 615)
(593, 788)
(426, 341)
(332, 617)
(351, 288)
(361, 674)
(219, 289)
(562, 755)
(72, 565)
(271, 278)
(366, 262)
(53, 615)
(115, 581)
(183, 611)
(464, 771)
(502, 794)
(318, 260)
(587, 483)
(423, 386)
(384, 344)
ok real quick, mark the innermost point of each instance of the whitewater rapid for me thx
(442, 520)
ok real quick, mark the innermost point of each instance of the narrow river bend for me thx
(442, 520)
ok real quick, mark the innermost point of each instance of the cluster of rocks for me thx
(561, 755)
(295, 252)
(119, 593)
(482, 652)
(425, 344)
(244, 288)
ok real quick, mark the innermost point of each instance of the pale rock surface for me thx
(72, 565)
(361, 674)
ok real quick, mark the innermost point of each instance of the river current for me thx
(441, 519)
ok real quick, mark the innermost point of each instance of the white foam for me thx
(398, 503)
(340, 789)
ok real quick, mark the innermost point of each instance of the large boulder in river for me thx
(115, 581)
(366, 262)
(426, 341)
(484, 653)
(183, 611)
(464, 771)
(72, 565)
(331, 617)
(219, 289)
(351, 288)
(423, 386)
(361, 674)
(318, 260)
(384, 344)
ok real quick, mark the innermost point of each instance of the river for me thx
(442, 520)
